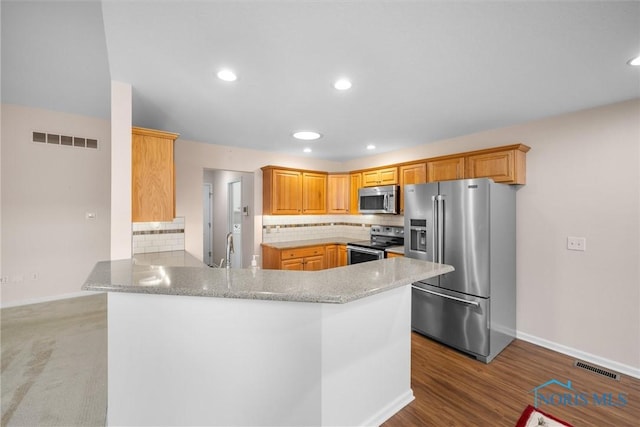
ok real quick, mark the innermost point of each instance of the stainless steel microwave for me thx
(384, 199)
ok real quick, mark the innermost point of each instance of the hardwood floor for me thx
(452, 389)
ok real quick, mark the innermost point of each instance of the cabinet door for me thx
(502, 166)
(355, 184)
(314, 193)
(411, 174)
(388, 176)
(445, 169)
(331, 256)
(314, 263)
(152, 176)
(370, 178)
(338, 194)
(342, 255)
(292, 264)
(286, 192)
(393, 255)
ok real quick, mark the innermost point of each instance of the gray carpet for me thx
(54, 363)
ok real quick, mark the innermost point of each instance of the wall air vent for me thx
(69, 141)
(596, 370)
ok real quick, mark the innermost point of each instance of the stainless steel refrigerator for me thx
(471, 225)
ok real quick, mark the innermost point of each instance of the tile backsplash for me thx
(158, 236)
(284, 228)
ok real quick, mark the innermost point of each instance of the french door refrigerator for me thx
(471, 225)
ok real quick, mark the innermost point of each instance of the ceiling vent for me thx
(66, 140)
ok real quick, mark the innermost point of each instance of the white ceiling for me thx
(422, 71)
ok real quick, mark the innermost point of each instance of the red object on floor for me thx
(530, 412)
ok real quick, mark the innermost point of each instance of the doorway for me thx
(235, 221)
(207, 231)
(228, 207)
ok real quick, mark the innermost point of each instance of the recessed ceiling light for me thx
(306, 135)
(342, 84)
(635, 61)
(227, 75)
(307, 150)
(371, 147)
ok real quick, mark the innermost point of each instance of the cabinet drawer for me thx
(302, 252)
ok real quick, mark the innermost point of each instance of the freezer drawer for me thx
(455, 319)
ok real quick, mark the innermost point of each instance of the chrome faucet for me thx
(229, 248)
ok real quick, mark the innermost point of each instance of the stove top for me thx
(374, 245)
(382, 237)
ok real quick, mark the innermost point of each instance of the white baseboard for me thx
(390, 410)
(49, 298)
(582, 355)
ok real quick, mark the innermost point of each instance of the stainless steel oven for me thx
(382, 237)
(357, 254)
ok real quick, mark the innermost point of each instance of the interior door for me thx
(465, 237)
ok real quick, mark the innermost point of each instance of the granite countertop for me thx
(310, 242)
(335, 285)
(168, 259)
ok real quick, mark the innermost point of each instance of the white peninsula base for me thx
(187, 360)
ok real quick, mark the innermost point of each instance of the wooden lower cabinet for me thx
(307, 258)
(332, 256)
(393, 255)
(342, 255)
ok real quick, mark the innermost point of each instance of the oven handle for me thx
(365, 250)
(464, 301)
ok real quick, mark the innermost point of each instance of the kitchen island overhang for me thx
(331, 347)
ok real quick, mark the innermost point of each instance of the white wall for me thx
(48, 247)
(121, 239)
(583, 179)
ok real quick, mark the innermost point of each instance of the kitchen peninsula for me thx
(203, 346)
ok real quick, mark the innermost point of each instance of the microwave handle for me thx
(386, 202)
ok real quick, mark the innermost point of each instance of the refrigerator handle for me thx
(438, 294)
(440, 202)
(434, 230)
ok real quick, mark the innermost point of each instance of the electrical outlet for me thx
(4, 280)
(576, 243)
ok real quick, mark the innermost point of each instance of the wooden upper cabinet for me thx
(411, 174)
(314, 193)
(293, 192)
(338, 193)
(384, 176)
(355, 182)
(445, 168)
(282, 191)
(505, 164)
(152, 175)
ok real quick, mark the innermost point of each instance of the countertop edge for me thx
(337, 285)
